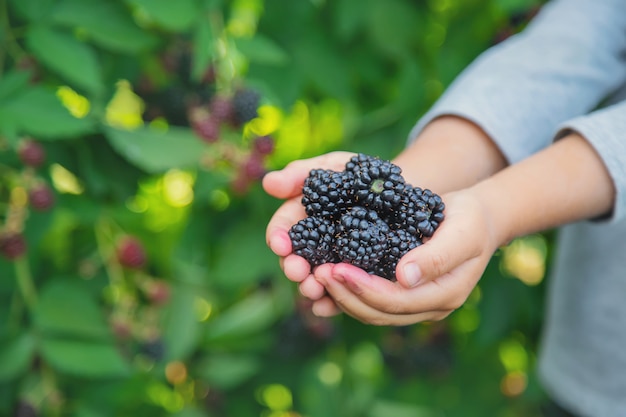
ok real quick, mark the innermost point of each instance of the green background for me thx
(237, 339)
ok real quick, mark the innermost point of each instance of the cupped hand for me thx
(287, 184)
(433, 279)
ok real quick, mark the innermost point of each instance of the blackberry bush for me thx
(366, 215)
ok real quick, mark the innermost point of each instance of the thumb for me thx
(448, 248)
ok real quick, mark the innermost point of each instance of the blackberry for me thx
(221, 108)
(245, 105)
(154, 349)
(263, 145)
(362, 238)
(377, 183)
(420, 212)
(400, 242)
(313, 238)
(327, 193)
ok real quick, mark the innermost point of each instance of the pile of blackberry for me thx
(366, 215)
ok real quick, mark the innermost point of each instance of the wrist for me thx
(451, 153)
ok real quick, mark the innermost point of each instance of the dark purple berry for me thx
(254, 167)
(207, 128)
(12, 245)
(221, 108)
(153, 349)
(41, 197)
(31, 153)
(263, 145)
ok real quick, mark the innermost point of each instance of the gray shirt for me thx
(566, 72)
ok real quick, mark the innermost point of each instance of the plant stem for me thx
(25, 282)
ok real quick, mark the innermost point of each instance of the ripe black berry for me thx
(153, 349)
(400, 242)
(377, 183)
(313, 238)
(245, 105)
(362, 238)
(366, 215)
(12, 245)
(327, 193)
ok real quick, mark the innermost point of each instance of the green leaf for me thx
(382, 408)
(181, 328)
(203, 49)
(393, 25)
(12, 83)
(38, 111)
(252, 314)
(175, 18)
(248, 238)
(70, 58)
(106, 23)
(262, 50)
(227, 371)
(16, 356)
(66, 308)
(157, 151)
(85, 359)
(32, 9)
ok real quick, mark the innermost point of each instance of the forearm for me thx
(563, 183)
(450, 154)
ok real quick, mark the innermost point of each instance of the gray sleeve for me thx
(570, 58)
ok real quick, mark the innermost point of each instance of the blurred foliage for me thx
(196, 319)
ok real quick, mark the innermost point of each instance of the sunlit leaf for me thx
(39, 112)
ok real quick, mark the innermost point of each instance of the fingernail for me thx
(412, 274)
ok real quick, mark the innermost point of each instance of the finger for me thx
(311, 289)
(446, 293)
(287, 182)
(277, 231)
(353, 306)
(450, 246)
(296, 268)
(325, 307)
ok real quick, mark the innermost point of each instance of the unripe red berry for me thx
(131, 253)
(12, 245)
(264, 145)
(254, 167)
(158, 292)
(41, 197)
(221, 108)
(208, 129)
(31, 153)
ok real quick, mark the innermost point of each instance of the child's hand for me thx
(287, 184)
(434, 279)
